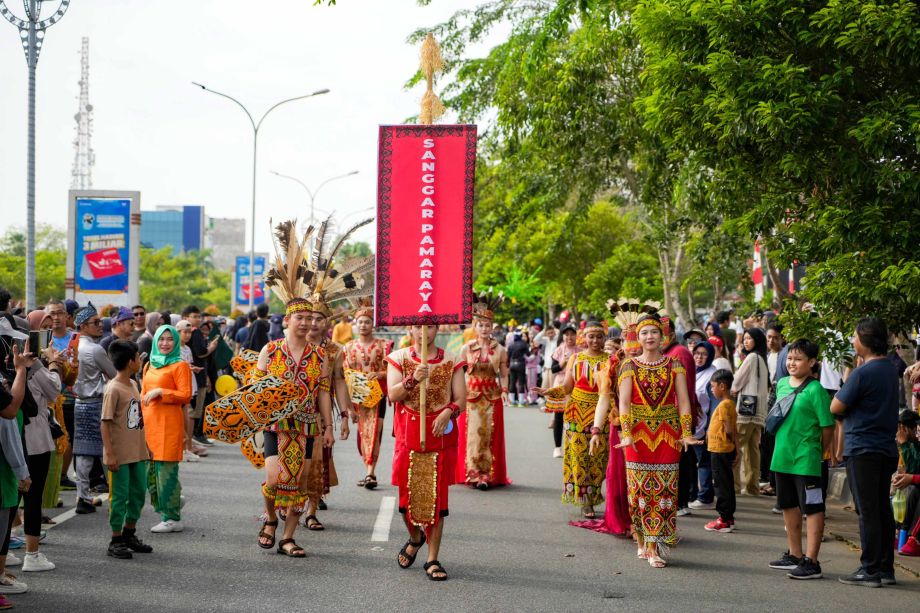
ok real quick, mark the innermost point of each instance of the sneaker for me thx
(808, 569)
(4, 603)
(787, 562)
(67, 484)
(861, 577)
(135, 544)
(120, 550)
(84, 507)
(9, 584)
(12, 560)
(887, 578)
(776, 510)
(557, 452)
(683, 512)
(699, 504)
(719, 526)
(17, 542)
(188, 456)
(100, 488)
(169, 525)
(910, 548)
(200, 450)
(202, 439)
(36, 562)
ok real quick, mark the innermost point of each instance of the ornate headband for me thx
(649, 321)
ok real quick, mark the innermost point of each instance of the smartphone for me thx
(39, 340)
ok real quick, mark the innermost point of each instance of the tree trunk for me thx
(780, 292)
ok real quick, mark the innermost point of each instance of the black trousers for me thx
(767, 443)
(869, 476)
(723, 480)
(517, 384)
(557, 429)
(32, 500)
(687, 488)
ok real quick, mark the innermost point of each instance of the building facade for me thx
(180, 227)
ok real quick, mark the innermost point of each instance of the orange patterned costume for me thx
(424, 476)
(369, 360)
(583, 473)
(651, 468)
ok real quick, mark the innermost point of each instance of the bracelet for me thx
(595, 431)
(626, 425)
(455, 410)
(409, 383)
(505, 390)
(686, 421)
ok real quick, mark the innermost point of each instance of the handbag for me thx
(780, 410)
(56, 430)
(747, 403)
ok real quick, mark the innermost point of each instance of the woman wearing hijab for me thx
(167, 387)
(145, 342)
(751, 388)
(703, 355)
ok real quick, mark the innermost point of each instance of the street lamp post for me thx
(32, 34)
(255, 150)
(313, 192)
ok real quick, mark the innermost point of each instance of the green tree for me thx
(172, 282)
(47, 238)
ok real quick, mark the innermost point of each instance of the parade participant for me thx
(655, 416)
(582, 472)
(95, 369)
(367, 355)
(555, 404)
(481, 437)
(166, 389)
(424, 475)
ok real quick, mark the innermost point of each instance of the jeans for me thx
(84, 468)
(869, 475)
(704, 473)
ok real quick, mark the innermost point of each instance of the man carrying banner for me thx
(366, 374)
(425, 454)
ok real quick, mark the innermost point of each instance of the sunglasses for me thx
(140, 314)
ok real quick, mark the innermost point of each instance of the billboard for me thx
(103, 241)
(242, 280)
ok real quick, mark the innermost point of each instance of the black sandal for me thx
(440, 571)
(322, 505)
(370, 482)
(363, 482)
(265, 535)
(404, 552)
(316, 526)
(292, 552)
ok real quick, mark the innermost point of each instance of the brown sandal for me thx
(316, 526)
(265, 535)
(292, 552)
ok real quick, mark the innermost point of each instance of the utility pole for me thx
(32, 34)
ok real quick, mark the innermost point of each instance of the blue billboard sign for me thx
(101, 246)
(242, 283)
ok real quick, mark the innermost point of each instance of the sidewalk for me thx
(843, 524)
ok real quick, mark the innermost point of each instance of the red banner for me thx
(425, 224)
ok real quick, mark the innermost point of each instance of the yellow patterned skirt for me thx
(582, 473)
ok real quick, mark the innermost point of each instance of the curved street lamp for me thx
(255, 149)
(311, 193)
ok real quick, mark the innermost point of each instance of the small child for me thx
(721, 445)
(125, 450)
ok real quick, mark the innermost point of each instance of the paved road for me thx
(506, 550)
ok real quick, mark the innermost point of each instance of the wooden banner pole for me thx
(423, 391)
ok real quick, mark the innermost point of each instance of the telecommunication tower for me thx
(84, 159)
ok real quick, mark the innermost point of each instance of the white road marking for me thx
(66, 515)
(384, 519)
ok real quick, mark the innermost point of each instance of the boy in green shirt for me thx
(801, 441)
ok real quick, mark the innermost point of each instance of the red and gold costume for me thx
(481, 453)
(423, 476)
(322, 476)
(656, 427)
(371, 403)
(583, 473)
(310, 375)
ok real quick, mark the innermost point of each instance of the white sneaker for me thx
(557, 452)
(683, 512)
(188, 456)
(200, 450)
(699, 504)
(168, 526)
(9, 584)
(12, 560)
(36, 562)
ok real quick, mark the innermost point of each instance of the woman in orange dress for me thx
(167, 387)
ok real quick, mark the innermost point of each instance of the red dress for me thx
(369, 360)
(481, 450)
(423, 477)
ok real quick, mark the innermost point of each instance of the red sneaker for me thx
(910, 548)
(718, 525)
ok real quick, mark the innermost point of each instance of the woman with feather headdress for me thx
(481, 446)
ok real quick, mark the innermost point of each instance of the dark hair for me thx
(776, 327)
(139, 306)
(5, 297)
(55, 301)
(190, 309)
(647, 316)
(251, 316)
(723, 316)
(262, 310)
(760, 342)
(723, 376)
(873, 335)
(122, 352)
(806, 347)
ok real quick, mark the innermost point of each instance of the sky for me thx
(156, 133)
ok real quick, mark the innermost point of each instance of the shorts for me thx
(802, 491)
(197, 406)
(270, 445)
